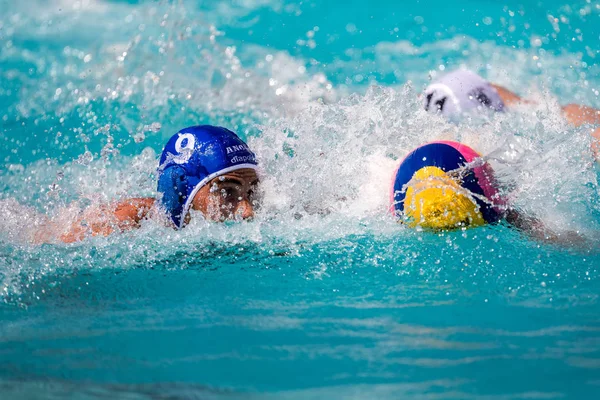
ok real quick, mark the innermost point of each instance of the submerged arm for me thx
(537, 230)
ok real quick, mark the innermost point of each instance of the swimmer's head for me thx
(209, 169)
(461, 92)
(435, 189)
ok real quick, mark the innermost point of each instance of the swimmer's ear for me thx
(428, 98)
(433, 102)
(172, 183)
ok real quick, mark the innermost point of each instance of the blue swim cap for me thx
(192, 158)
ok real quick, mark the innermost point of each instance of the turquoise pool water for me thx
(323, 295)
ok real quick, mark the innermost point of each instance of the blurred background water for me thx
(323, 295)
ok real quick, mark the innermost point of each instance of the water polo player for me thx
(447, 185)
(461, 92)
(204, 168)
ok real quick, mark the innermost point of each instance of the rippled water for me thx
(323, 295)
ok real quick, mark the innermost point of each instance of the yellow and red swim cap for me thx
(425, 195)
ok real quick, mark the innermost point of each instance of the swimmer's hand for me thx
(536, 229)
(108, 218)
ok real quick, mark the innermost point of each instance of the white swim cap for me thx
(459, 92)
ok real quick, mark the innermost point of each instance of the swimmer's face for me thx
(230, 196)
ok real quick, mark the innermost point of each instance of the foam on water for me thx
(83, 123)
(325, 162)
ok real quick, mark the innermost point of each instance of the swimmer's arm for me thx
(537, 230)
(508, 98)
(106, 219)
(575, 114)
(578, 115)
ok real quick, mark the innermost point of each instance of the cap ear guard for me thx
(172, 183)
(439, 98)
